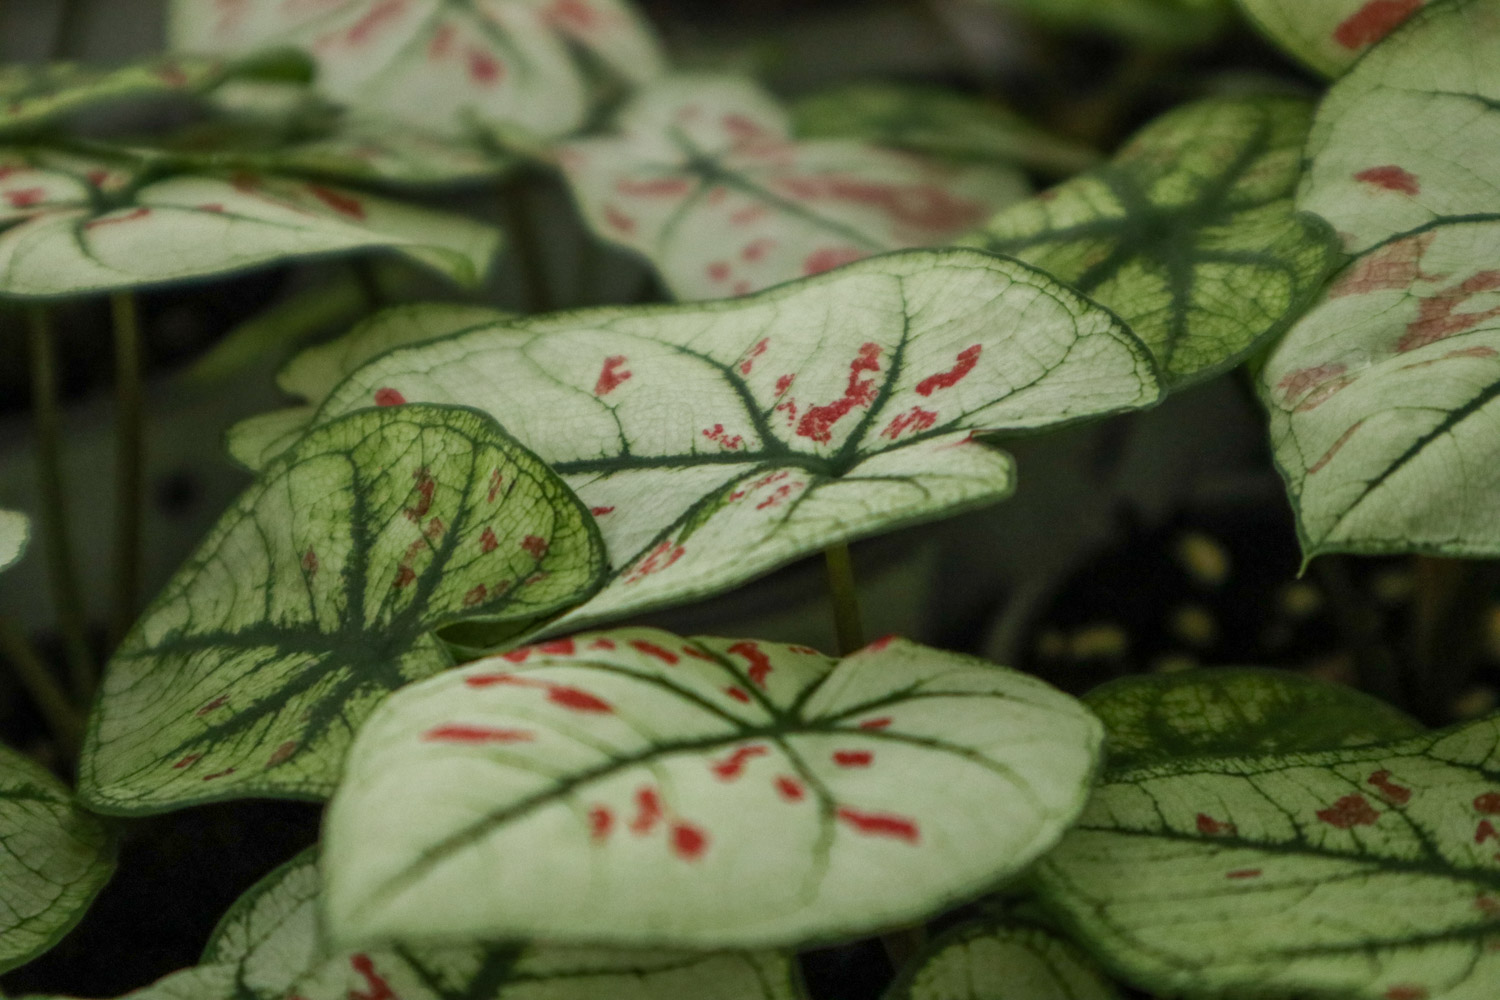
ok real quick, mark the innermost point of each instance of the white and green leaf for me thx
(702, 177)
(714, 442)
(447, 66)
(1369, 873)
(316, 595)
(15, 533)
(636, 788)
(1001, 960)
(941, 123)
(54, 858)
(86, 231)
(271, 939)
(1191, 233)
(1328, 35)
(36, 182)
(1384, 400)
(1230, 712)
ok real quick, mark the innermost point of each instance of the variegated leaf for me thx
(1329, 35)
(636, 788)
(715, 442)
(1001, 960)
(315, 596)
(702, 176)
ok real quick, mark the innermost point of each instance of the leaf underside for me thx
(1001, 960)
(714, 442)
(316, 595)
(636, 788)
(1328, 35)
(1384, 400)
(1190, 234)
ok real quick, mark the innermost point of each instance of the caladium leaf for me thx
(1154, 22)
(938, 122)
(704, 179)
(1190, 233)
(1329, 35)
(271, 938)
(89, 229)
(1001, 960)
(15, 532)
(437, 64)
(1383, 398)
(714, 442)
(314, 373)
(1370, 873)
(316, 595)
(1228, 712)
(54, 858)
(633, 787)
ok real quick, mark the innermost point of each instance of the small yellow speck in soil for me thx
(1301, 599)
(1476, 701)
(1193, 624)
(1101, 641)
(1204, 559)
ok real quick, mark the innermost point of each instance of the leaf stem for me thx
(32, 671)
(848, 626)
(53, 512)
(128, 462)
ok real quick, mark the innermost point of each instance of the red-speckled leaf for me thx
(441, 65)
(316, 595)
(270, 938)
(1329, 35)
(1384, 399)
(15, 532)
(196, 226)
(36, 182)
(1001, 960)
(1367, 874)
(637, 788)
(717, 441)
(704, 179)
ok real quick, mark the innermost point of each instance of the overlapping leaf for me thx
(1370, 873)
(1384, 400)
(205, 983)
(31, 96)
(636, 788)
(1001, 960)
(937, 122)
(1227, 712)
(90, 226)
(270, 940)
(443, 65)
(15, 532)
(714, 442)
(1190, 233)
(1329, 35)
(54, 858)
(704, 179)
(1154, 22)
(315, 596)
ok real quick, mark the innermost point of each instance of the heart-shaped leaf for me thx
(89, 228)
(1001, 960)
(1371, 873)
(1328, 35)
(704, 179)
(715, 442)
(54, 858)
(15, 532)
(314, 373)
(942, 123)
(316, 595)
(1383, 398)
(1228, 712)
(271, 935)
(636, 788)
(1190, 233)
(437, 64)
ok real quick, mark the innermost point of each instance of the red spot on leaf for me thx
(829, 258)
(310, 563)
(340, 202)
(218, 702)
(1486, 831)
(610, 376)
(790, 789)
(281, 754)
(748, 363)
(738, 694)
(618, 220)
(484, 69)
(602, 644)
(363, 29)
(388, 397)
(426, 487)
(378, 988)
(25, 197)
(1397, 266)
(574, 14)
(915, 420)
(578, 701)
(534, 546)
(1372, 22)
(460, 733)
(882, 643)
(405, 577)
(698, 654)
(558, 647)
(656, 187)
(476, 596)
(1210, 827)
(441, 45)
(688, 841)
(1390, 178)
(648, 812)
(784, 383)
(488, 542)
(652, 649)
(1488, 905)
(719, 436)
(601, 511)
(1392, 791)
(601, 821)
(187, 761)
(1328, 455)
(1488, 803)
(881, 723)
(756, 250)
(718, 271)
(219, 774)
(853, 758)
(1406, 992)
(880, 824)
(760, 663)
(212, 206)
(817, 423)
(115, 220)
(496, 481)
(968, 358)
(1244, 873)
(1436, 315)
(733, 766)
(658, 559)
(1295, 385)
(1348, 812)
